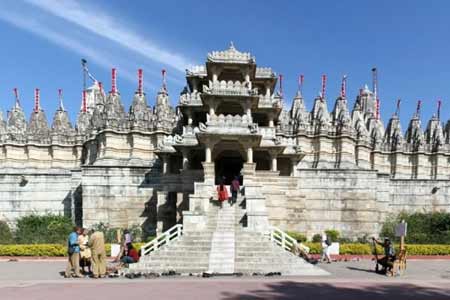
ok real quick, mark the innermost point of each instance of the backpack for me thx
(328, 242)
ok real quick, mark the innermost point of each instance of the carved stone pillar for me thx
(294, 162)
(249, 155)
(161, 206)
(274, 163)
(185, 153)
(208, 154)
(165, 166)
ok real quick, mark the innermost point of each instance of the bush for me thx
(6, 236)
(299, 237)
(423, 228)
(52, 250)
(317, 238)
(332, 235)
(43, 229)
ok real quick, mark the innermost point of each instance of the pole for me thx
(324, 82)
(397, 111)
(113, 80)
(140, 81)
(402, 239)
(439, 109)
(281, 84)
(36, 100)
(344, 86)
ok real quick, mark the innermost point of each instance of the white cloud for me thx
(93, 20)
(100, 57)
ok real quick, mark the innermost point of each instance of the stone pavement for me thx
(348, 280)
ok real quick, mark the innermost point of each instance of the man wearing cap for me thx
(73, 249)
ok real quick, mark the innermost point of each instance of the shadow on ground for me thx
(303, 290)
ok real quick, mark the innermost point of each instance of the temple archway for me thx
(228, 161)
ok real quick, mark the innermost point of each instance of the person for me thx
(97, 245)
(85, 251)
(222, 193)
(326, 243)
(387, 261)
(73, 249)
(127, 239)
(131, 256)
(235, 188)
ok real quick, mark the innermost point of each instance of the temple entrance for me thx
(228, 164)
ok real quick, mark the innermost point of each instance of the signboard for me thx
(115, 250)
(400, 229)
(334, 249)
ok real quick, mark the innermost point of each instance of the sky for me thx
(43, 42)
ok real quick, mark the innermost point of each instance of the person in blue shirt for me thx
(73, 249)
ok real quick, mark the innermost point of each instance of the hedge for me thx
(54, 250)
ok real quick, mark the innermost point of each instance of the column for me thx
(249, 155)
(208, 153)
(185, 153)
(274, 163)
(267, 90)
(294, 167)
(214, 77)
(165, 168)
(247, 79)
(271, 123)
(189, 116)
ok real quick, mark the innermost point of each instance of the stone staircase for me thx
(224, 247)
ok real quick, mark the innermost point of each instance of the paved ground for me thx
(348, 280)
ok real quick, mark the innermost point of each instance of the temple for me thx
(301, 170)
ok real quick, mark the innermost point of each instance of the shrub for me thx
(299, 237)
(6, 236)
(423, 228)
(317, 238)
(111, 232)
(332, 235)
(43, 229)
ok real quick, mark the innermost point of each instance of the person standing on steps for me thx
(235, 188)
(222, 193)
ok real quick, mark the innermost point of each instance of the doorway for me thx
(228, 164)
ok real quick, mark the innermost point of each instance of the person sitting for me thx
(387, 261)
(131, 256)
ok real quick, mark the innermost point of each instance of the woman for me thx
(85, 251)
(222, 193)
(131, 255)
(326, 248)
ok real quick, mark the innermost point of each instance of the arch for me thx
(228, 160)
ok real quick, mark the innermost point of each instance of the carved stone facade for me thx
(302, 170)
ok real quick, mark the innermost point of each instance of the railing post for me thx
(283, 241)
(178, 231)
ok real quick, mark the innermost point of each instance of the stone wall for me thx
(27, 191)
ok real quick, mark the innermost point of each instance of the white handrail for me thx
(164, 239)
(282, 239)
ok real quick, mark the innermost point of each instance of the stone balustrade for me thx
(263, 72)
(190, 99)
(229, 124)
(269, 101)
(229, 88)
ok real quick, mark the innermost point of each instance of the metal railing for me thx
(164, 239)
(282, 239)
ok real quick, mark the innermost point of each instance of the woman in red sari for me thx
(222, 193)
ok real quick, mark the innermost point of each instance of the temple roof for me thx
(231, 55)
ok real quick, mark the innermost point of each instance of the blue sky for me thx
(43, 42)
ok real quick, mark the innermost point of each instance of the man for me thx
(234, 189)
(97, 245)
(387, 261)
(73, 249)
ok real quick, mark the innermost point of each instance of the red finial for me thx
(300, 83)
(100, 87)
(344, 86)
(36, 100)
(378, 109)
(439, 103)
(163, 72)
(419, 103)
(324, 83)
(16, 95)
(84, 104)
(140, 82)
(281, 83)
(113, 81)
